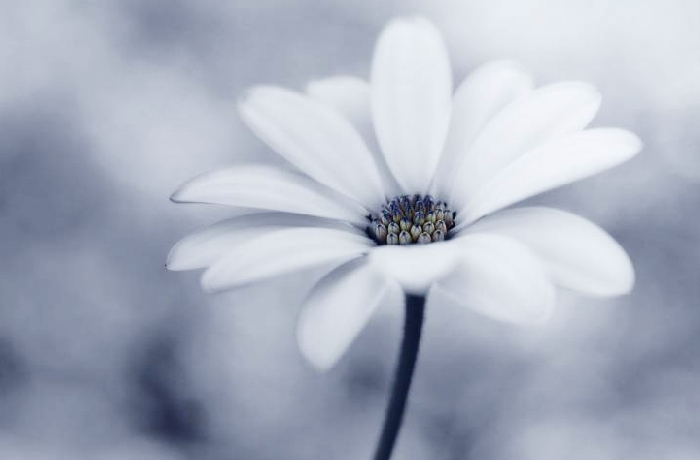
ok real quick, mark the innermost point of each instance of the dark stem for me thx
(404, 375)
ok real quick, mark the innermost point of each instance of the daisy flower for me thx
(403, 182)
(445, 159)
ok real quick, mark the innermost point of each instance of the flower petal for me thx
(500, 278)
(350, 96)
(269, 188)
(411, 97)
(204, 247)
(337, 310)
(484, 93)
(577, 253)
(315, 139)
(547, 113)
(551, 165)
(415, 267)
(280, 252)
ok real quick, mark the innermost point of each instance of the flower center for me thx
(411, 219)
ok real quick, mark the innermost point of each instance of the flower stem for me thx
(410, 344)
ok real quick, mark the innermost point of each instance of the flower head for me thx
(402, 182)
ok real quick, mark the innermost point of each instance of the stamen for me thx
(411, 219)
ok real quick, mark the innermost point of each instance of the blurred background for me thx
(107, 106)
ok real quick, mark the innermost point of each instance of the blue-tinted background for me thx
(107, 106)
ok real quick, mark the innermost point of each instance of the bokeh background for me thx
(107, 106)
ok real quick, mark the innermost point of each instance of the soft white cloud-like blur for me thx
(106, 107)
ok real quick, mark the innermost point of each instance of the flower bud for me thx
(393, 227)
(416, 230)
(440, 225)
(418, 218)
(438, 236)
(404, 237)
(380, 232)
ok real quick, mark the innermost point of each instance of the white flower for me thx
(493, 142)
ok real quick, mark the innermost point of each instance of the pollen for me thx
(411, 219)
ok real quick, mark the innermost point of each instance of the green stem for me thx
(410, 344)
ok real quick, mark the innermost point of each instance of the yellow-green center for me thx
(411, 219)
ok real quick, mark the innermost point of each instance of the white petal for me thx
(337, 310)
(547, 113)
(269, 188)
(577, 253)
(411, 98)
(350, 96)
(315, 139)
(551, 165)
(280, 252)
(204, 247)
(500, 278)
(415, 267)
(483, 94)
